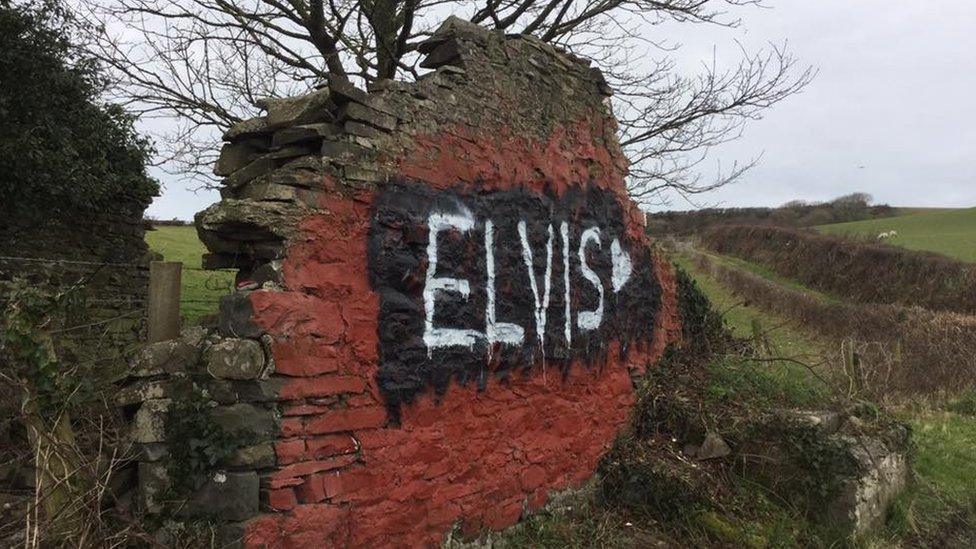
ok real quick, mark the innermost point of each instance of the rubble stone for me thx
(863, 501)
(713, 447)
(149, 423)
(143, 390)
(245, 420)
(247, 128)
(256, 456)
(230, 496)
(261, 165)
(304, 109)
(163, 357)
(356, 111)
(153, 484)
(235, 359)
(234, 156)
(236, 317)
(303, 134)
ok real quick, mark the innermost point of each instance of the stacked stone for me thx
(278, 167)
(867, 458)
(234, 376)
(297, 183)
(275, 166)
(105, 257)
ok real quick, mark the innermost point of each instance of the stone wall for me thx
(452, 287)
(104, 255)
(194, 403)
(104, 258)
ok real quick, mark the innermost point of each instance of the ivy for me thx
(824, 463)
(203, 444)
(32, 313)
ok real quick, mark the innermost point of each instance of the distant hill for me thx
(796, 214)
(951, 232)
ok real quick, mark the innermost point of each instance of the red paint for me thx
(479, 458)
(323, 386)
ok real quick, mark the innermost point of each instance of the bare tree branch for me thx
(207, 64)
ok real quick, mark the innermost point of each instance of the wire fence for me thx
(75, 262)
(200, 295)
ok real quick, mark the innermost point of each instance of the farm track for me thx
(902, 350)
(939, 510)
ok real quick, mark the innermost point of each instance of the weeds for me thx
(72, 432)
(937, 510)
(964, 405)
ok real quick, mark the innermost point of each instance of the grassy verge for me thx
(768, 274)
(201, 290)
(938, 509)
(897, 350)
(778, 337)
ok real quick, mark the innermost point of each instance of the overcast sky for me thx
(891, 113)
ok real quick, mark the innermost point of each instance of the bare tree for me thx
(207, 64)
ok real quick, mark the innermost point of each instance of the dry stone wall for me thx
(451, 287)
(103, 255)
(100, 260)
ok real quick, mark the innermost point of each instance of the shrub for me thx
(61, 148)
(853, 270)
(889, 348)
(702, 327)
(854, 207)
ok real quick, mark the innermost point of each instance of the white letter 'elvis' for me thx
(508, 333)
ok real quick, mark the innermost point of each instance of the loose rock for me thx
(235, 359)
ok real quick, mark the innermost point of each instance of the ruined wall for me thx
(104, 255)
(452, 286)
(103, 260)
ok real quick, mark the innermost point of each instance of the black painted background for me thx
(398, 266)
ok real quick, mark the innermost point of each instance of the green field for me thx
(949, 232)
(201, 290)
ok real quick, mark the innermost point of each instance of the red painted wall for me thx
(482, 458)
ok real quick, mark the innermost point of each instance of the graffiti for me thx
(508, 333)
(473, 285)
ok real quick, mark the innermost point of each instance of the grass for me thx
(767, 273)
(719, 508)
(201, 290)
(580, 527)
(935, 511)
(782, 380)
(740, 316)
(938, 509)
(948, 232)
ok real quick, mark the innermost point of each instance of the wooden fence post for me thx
(164, 300)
